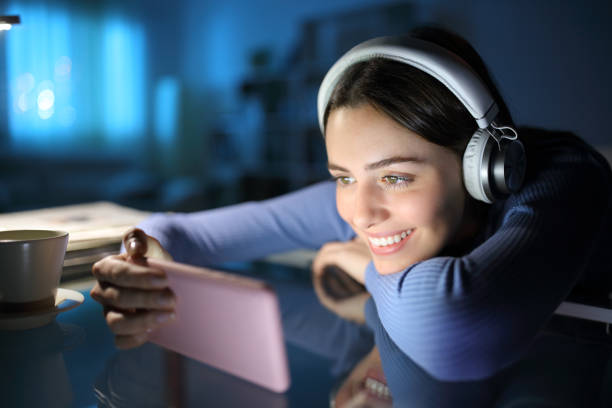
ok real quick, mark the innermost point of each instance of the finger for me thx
(359, 240)
(332, 246)
(127, 342)
(317, 267)
(323, 297)
(329, 252)
(127, 298)
(318, 263)
(116, 270)
(135, 242)
(129, 324)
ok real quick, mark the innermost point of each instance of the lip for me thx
(389, 249)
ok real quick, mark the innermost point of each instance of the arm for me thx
(464, 318)
(307, 218)
(136, 297)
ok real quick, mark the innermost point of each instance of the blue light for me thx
(46, 99)
(123, 79)
(74, 78)
(167, 94)
(41, 38)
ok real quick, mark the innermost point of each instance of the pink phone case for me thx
(229, 322)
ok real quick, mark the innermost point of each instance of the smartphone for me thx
(338, 284)
(230, 322)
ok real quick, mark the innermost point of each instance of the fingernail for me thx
(164, 317)
(135, 247)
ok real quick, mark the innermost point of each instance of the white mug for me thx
(31, 263)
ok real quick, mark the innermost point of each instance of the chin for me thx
(388, 267)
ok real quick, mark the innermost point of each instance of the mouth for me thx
(389, 244)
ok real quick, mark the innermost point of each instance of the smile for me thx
(391, 240)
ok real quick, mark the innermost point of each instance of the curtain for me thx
(76, 78)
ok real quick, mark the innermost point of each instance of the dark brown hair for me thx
(413, 98)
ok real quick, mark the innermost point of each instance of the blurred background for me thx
(191, 104)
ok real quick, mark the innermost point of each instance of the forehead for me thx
(365, 133)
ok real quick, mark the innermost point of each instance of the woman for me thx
(459, 286)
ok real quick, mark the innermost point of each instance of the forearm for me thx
(304, 219)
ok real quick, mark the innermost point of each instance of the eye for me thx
(345, 180)
(395, 181)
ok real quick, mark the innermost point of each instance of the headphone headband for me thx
(441, 64)
(490, 169)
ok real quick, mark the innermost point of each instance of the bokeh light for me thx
(22, 102)
(62, 88)
(25, 99)
(45, 114)
(46, 99)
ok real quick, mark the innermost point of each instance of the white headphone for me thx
(494, 161)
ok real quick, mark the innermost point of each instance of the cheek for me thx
(343, 204)
(453, 197)
(436, 208)
(417, 208)
(452, 193)
(449, 208)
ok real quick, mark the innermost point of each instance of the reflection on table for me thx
(73, 362)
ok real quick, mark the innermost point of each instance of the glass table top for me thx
(73, 362)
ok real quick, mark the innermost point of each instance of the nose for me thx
(368, 207)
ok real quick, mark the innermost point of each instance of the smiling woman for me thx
(386, 195)
(467, 254)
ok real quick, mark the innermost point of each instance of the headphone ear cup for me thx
(509, 168)
(473, 166)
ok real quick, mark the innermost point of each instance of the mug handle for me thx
(67, 299)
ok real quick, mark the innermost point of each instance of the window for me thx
(76, 79)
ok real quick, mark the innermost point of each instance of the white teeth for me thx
(377, 388)
(394, 239)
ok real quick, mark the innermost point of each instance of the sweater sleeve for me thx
(464, 318)
(303, 219)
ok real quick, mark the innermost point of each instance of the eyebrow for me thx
(382, 163)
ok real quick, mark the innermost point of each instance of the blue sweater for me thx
(461, 317)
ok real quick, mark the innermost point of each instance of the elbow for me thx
(448, 366)
(452, 329)
(462, 347)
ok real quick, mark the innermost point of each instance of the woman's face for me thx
(401, 193)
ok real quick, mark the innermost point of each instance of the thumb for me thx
(139, 245)
(135, 243)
